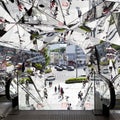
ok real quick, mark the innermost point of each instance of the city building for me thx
(75, 54)
(111, 53)
(54, 57)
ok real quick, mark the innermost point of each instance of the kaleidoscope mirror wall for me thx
(37, 35)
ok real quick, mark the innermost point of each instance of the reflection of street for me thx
(61, 76)
(56, 99)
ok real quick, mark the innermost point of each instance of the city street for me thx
(54, 100)
(61, 76)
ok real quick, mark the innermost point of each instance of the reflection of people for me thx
(58, 88)
(45, 93)
(61, 92)
(32, 107)
(56, 12)
(69, 107)
(27, 99)
(50, 83)
(55, 89)
(80, 94)
(79, 13)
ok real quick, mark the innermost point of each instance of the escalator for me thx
(104, 94)
(29, 92)
(13, 86)
(116, 83)
(100, 91)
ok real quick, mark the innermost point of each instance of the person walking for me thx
(62, 92)
(58, 88)
(69, 106)
(56, 12)
(80, 95)
(33, 107)
(79, 13)
(55, 89)
(27, 99)
(45, 93)
(52, 3)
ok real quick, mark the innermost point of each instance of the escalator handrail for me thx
(113, 80)
(32, 96)
(7, 90)
(112, 91)
(84, 99)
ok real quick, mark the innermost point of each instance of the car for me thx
(70, 68)
(50, 78)
(58, 68)
(64, 67)
(105, 71)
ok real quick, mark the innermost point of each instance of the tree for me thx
(47, 58)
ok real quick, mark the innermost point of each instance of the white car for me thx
(50, 78)
(105, 71)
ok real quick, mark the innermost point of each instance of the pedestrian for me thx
(45, 93)
(27, 99)
(67, 98)
(80, 95)
(58, 88)
(56, 12)
(52, 3)
(88, 77)
(79, 13)
(69, 106)
(32, 107)
(84, 83)
(61, 92)
(50, 83)
(55, 89)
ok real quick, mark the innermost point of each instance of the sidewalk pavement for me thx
(54, 100)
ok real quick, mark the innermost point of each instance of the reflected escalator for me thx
(116, 83)
(12, 85)
(27, 91)
(101, 91)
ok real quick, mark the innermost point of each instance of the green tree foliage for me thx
(44, 51)
(47, 58)
(61, 50)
